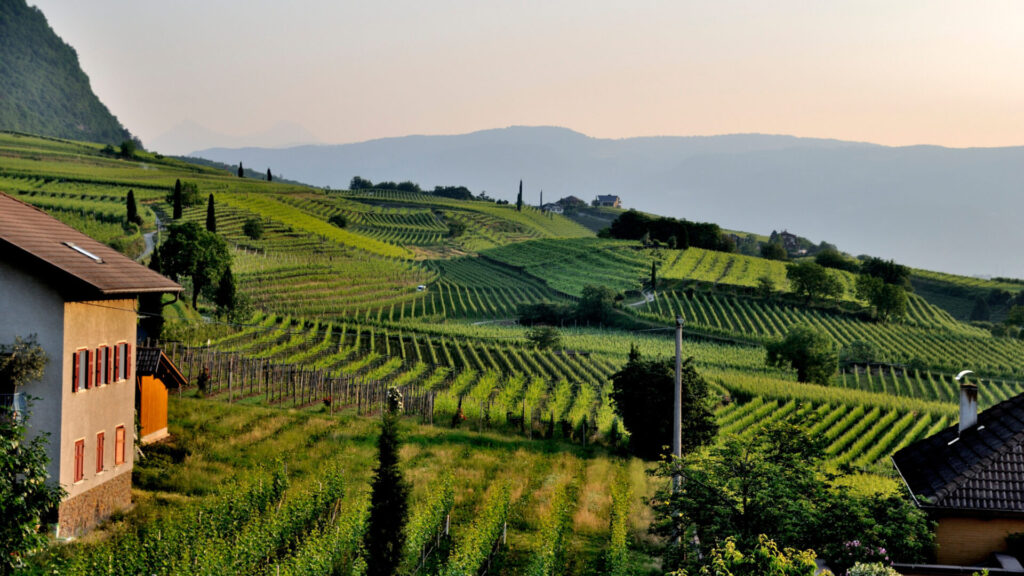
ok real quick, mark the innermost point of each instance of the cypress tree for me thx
(519, 198)
(270, 177)
(385, 534)
(211, 216)
(654, 278)
(225, 296)
(241, 171)
(133, 209)
(177, 200)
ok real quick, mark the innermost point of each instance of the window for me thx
(119, 446)
(80, 370)
(99, 452)
(102, 365)
(123, 360)
(79, 460)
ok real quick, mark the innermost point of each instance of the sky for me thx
(201, 73)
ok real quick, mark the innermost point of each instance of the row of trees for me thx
(633, 225)
(596, 304)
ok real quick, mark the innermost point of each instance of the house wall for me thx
(85, 413)
(152, 397)
(28, 306)
(968, 541)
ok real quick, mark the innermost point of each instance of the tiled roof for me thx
(32, 237)
(153, 362)
(981, 468)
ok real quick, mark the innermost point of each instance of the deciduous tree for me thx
(194, 253)
(811, 281)
(811, 352)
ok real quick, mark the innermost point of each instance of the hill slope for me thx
(42, 87)
(920, 205)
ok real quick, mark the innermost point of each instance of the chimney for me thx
(968, 406)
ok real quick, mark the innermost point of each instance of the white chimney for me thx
(968, 405)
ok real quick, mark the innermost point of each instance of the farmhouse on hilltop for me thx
(970, 480)
(79, 297)
(608, 201)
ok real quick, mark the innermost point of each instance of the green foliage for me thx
(544, 313)
(177, 200)
(808, 350)
(338, 220)
(253, 228)
(643, 394)
(887, 271)
(556, 530)
(544, 338)
(1016, 316)
(811, 281)
(872, 569)
(765, 286)
(385, 531)
(832, 258)
(774, 251)
(20, 363)
(197, 254)
(519, 198)
(980, 312)
(45, 91)
(128, 149)
(889, 300)
(765, 559)
(633, 225)
(241, 171)
(617, 561)
(184, 194)
(473, 548)
(596, 304)
(211, 216)
(859, 352)
(456, 228)
(132, 210)
(427, 520)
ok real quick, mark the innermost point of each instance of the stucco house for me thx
(608, 201)
(969, 478)
(79, 297)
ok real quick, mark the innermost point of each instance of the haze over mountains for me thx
(952, 210)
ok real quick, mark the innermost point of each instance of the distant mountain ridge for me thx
(42, 87)
(931, 207)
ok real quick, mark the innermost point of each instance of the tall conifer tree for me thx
(241, 171)
(177, 200)
(519, 198)
(385, 530)
(132, 209)
(211, 216)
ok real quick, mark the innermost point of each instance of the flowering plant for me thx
(872, 569)
(855, 553)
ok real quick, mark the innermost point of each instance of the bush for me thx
(253, 228)
(338, 220)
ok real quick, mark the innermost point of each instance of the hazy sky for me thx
(890, 72)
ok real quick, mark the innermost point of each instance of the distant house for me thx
(572, 202)
(969, 478)
(79, 297)
(154, 375)
(608, 201)
(553, 208)
(791, 242)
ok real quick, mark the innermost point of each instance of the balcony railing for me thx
(13, 406)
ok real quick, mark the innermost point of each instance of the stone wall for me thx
(81, 513)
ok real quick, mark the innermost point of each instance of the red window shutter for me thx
(127, 361)
(79, 460)
(98, 365)
(119, 446)
(88, 368)
(74, 372)
(117, 362)
(110, 366)
(99, 452)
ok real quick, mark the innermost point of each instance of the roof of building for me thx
(603, 198)
(79, 263)
(153, 362)
(979, 469)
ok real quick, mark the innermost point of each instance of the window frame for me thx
(99, 451)
(79, 460)
(120, 439)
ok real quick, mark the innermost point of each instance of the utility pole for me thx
(677, 420)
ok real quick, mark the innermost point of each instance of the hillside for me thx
(422, 293)
(44, 90)
(921, 205)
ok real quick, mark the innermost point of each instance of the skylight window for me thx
(85, 252)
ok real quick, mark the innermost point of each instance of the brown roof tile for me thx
(34, 238)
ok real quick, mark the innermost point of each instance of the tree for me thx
(889, 271)
(859, 352)
(132, 210)
(767, 484)
(1016, 316)
(270, 177)
(358, 183)
(654, 277)
(194, 253)
(889, 300)
(980, 312)
(808, 350)
(224, 297)
(765, 559)
(812, 281)
(519, 198)
(385, 528)
(774, 251)
(830, 257)
(544, 338)
(211, 216)
(128, 148)
(241, 171)
(253, 228)
(177, 200)
(338, 220)
(596, 304)
(643, 392)
(26, 498)
(765, 286)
